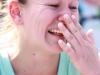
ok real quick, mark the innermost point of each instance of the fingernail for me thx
(66, 15)
(60, 25)
(60, 41)
(73, 16)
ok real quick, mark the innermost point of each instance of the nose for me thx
(62, 13)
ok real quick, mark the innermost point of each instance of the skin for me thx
(83, 51)
(38, 48)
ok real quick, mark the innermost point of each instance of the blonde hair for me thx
(8, 30)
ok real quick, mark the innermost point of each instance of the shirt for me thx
(65, 65)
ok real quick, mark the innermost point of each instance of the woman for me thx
(43, 29)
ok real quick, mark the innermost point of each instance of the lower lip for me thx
(56, 34)
(61, 35)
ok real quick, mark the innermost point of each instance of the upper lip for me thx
(54, 29)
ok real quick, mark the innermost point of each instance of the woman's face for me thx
(40, 22)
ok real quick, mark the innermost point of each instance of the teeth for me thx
(55, 31)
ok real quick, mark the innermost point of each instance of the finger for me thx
(67, 49)
(73, 29)
(90, 35)
(70, 38)
(80, 29)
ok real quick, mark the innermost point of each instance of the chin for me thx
(56, 49)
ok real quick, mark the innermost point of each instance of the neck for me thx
(25, 62)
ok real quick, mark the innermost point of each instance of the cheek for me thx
(47, 17)
(38, 22)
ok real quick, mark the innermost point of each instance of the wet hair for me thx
(8, 30)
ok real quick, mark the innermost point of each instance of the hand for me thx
(83, 51)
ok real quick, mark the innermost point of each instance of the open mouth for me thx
(56, 32)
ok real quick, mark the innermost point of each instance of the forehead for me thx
(44, 1)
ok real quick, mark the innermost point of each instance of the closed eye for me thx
(54, 5)
(73, 7)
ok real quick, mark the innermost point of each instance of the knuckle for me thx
(74, 31)
(85, 45)
(79, 28)
(70, 37)
(84, 37)
(68, 50)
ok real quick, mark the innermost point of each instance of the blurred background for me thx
(90, 18)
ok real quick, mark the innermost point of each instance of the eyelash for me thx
(73, 7)
(54, 5)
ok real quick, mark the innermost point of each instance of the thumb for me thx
(90, 35)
